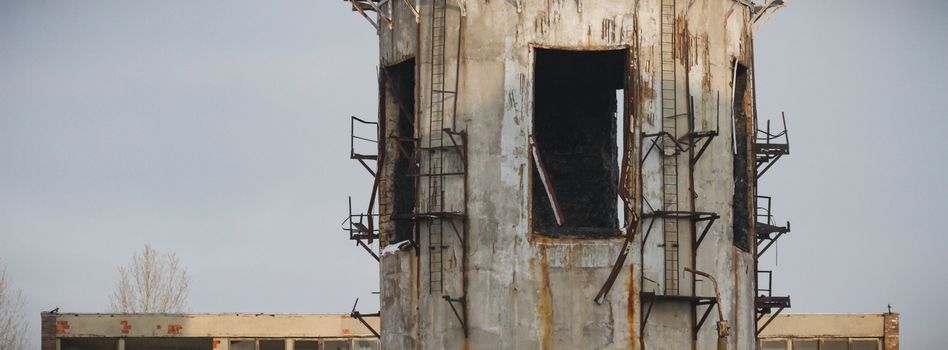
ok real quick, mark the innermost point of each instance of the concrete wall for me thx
(209, 325)
(528, 291)
(817, 325)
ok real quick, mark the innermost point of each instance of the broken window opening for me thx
(865, 344)
(243, 344)
(773, 345)
(401, 95)
(340, 344)
(743, 114)
(272, 344)
(365, 344)
(578, 134)
(836, 344)
(305, 345)
(88, 343)
(167, 343)
(806, 344)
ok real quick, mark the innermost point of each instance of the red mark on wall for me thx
(125, 327)
(62, 326)
(174, 329)
(345, 331)
(215, 343)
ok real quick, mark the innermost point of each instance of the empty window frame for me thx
(305, 345)
(744, 167)
(399, 105)
(272, 344)
(341, 344)
(806, 345)
(169, 343)
(864, 344)
(88, 343)
(835, 344)
(773, 344)
(365, 344)
(243, 344)
(575, 135)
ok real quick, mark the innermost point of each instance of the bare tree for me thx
(151, 283)
(14, 333)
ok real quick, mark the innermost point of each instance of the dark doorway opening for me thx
(575, 131)
(400, 94)
(743, 169)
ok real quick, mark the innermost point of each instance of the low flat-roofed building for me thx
(831, 332)
(65, 331)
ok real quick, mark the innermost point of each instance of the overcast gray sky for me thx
(218, 129)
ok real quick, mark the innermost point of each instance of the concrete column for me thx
(289, 344)
(220, 344)
(48, 340)
(891, 331)
(121, 344)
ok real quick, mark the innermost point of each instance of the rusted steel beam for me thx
(648, 312)
(360, 316)
(414, 10)
(723, 328)
(616, 268)
(358, 7)
(369, 216)
(368, 249)
(547, 184)
(703, 318)
(630, 229)
(458, 146)
(388, 19)
(462, 320)
(771, 319)
(766, 247)
(705, 231)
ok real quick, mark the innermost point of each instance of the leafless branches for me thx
(13, 326)
(152, 283)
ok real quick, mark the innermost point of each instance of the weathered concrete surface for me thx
(210, 325)
(527, 291)
(827, 325)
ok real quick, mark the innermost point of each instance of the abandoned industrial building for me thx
(207, 332)
(568, 174)
(832, 332)
(340, 332)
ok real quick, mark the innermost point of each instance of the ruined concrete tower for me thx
(567, 174)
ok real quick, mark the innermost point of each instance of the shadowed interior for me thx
(575, 130)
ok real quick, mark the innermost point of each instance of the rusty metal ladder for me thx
(435, 146)
(670, 158)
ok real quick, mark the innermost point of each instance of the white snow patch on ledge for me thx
(394, 247)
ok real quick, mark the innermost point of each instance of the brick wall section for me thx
(891, 331)
(47, 331)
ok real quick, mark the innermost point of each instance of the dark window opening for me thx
(272, 344)
(88, 343)
(401, 95)
(337, 345)
(243, 344)
(575, 130)
(305, 345)
(743, 178)
(168, 343)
